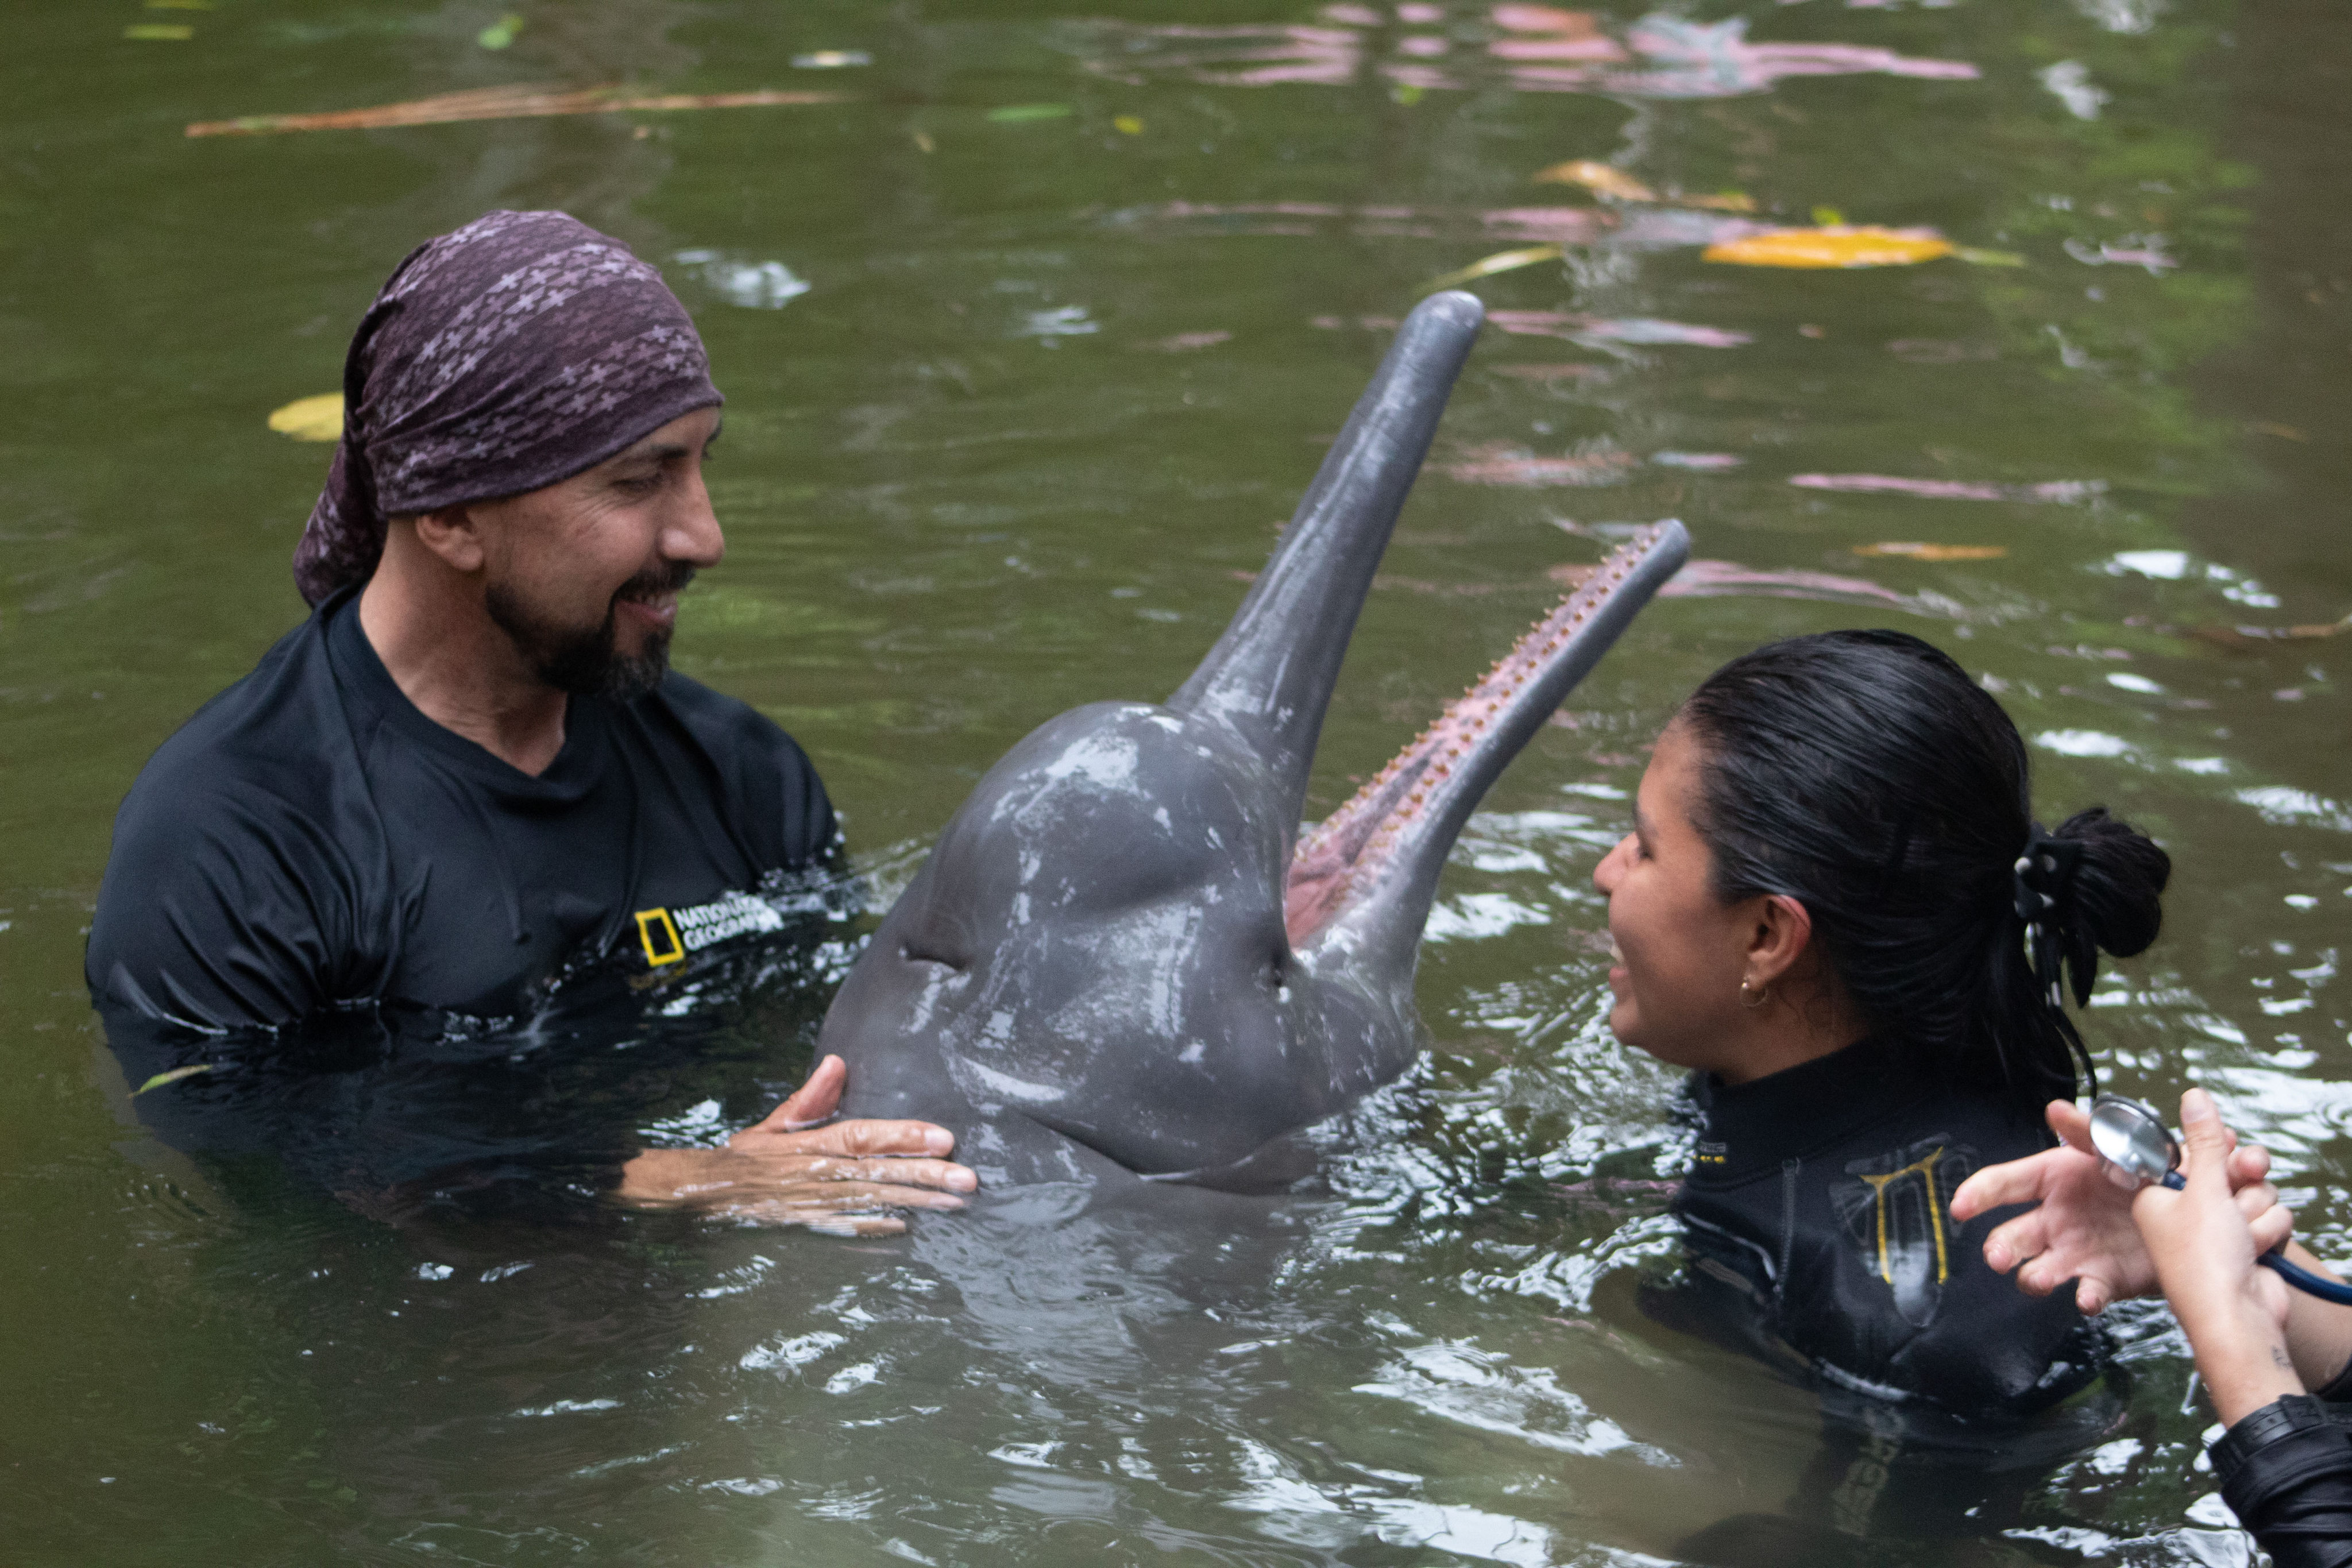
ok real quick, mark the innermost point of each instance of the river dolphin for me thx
(1122, 958)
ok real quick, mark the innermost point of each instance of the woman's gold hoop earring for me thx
(1755, 998)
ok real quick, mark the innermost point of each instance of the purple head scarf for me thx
(503, 357)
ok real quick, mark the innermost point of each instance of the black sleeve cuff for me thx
(2280, 1419)
(2286, 1473)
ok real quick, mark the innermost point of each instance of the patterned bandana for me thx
(512, 353)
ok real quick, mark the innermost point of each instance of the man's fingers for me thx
(1997, 1186)
(813, 1101)
(843, 1197)
(2249, 1163)
(2010, 1244)
(915, 1172)
(2040, 1275)
(2272, 1227)
(858, 1137)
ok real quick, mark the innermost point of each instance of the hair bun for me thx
(2118, 884)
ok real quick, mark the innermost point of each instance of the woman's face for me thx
(1678, 952)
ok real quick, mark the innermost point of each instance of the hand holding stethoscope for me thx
(2136, 1143)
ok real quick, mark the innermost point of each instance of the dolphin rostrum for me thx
(1122, 956)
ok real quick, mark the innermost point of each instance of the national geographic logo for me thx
(668, 935)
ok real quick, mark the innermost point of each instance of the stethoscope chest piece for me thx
(2131, 1137)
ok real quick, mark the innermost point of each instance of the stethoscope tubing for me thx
(2295, 1274)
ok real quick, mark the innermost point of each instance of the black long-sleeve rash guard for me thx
(1819, 1236)
(2286, 1473)
(311, 841)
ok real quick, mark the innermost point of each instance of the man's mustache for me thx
(654, 584)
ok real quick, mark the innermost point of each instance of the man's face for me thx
(585, 575)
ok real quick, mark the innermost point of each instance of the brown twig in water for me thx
(513, 102)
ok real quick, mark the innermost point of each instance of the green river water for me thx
(1015, 400)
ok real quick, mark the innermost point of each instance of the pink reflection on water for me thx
(1725, 579)
(1533, 48)
(1500, 463)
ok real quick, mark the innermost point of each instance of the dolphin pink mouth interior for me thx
(1341, 858)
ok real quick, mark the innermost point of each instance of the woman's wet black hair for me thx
(1863, 774)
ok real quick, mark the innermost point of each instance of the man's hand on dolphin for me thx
(793, 1169)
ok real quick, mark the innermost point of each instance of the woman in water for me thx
(1837, 910)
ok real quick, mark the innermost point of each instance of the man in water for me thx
(470, 771)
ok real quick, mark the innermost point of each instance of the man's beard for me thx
(586, 661)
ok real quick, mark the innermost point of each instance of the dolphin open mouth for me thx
(1418, 802)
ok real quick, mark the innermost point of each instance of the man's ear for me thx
(1782, 933)
(453, 533)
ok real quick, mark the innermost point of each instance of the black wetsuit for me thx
(309, 840)
(1819, 1236)
(2286, 1473)
(351, 918)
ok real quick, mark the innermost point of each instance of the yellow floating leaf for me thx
(1835, 244)
(319, 418)
(1915, 551)
(175, 1076)
(1828, 217)
(1601, 179)
(1127, 124)
(160, 32)
(1722, 202)
(1487, 265)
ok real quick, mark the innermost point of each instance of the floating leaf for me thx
(1127, 124)
(1487, 265)
(832, 59)
(1828, 217)
(1975, 258)
(1836, 245)
(1722, 202)
(1601, 179)
(923, 142)
(175, 1076)
(319, 418)
(160, 32)
(2065, 492)
(500, 33)
(1407, 94)
(500, 103)
(1021, 113)
(1935, 551)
